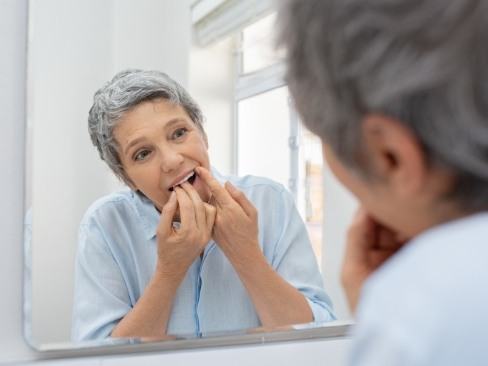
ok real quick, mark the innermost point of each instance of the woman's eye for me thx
(141, 155)
(180, 132)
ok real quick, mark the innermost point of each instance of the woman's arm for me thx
(177, 249)
(236, 232)
(276, 301)
(150, 315)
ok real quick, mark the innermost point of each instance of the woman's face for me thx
(160, 147)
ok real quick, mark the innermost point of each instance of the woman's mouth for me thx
(190, 178)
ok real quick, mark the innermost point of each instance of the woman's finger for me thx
(197, 204)
(220, 194)
(362, 230)
(210, 214)
(241, 199)
(386, 239)
(361, 237)
(378, 257)
(167, 215)
(187, 211)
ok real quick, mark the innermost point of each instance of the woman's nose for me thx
(171, 159)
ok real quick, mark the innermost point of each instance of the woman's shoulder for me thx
(263, 192)
(250, 183)
(108, 205)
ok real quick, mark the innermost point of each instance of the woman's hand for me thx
(369, 245)
(236, 221)
(178, 247)
(277, 303)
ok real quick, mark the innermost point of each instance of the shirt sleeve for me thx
(381, 339)
(101, 297)
(393, 326)
(295, 261)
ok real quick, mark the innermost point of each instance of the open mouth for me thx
(190, 178)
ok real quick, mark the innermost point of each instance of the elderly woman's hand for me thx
(236, 222)
(178, 247)
(369, 245)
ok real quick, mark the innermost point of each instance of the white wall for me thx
(73, 50)
(152, 34)
(339, 207)
(13, 34)
(69, 56)
(211, 83)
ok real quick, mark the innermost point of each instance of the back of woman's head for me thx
(424, 63)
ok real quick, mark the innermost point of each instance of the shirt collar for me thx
(476, 222)
(148, 215)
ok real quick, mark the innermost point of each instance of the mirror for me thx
(74, 48)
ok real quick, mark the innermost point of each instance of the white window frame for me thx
(215, 19)
(259, 82)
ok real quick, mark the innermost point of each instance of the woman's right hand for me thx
(178, 247)
(369, 245)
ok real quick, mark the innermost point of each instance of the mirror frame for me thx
(303, 332)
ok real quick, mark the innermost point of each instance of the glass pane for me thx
(263, 150)
(311, 187)
(258, 50)
(263, 130)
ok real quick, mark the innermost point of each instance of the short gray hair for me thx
(424, 63)
(126, 90)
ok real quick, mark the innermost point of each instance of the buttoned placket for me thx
(198, 287)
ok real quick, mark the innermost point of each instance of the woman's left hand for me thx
(236, 222)
(235, 230)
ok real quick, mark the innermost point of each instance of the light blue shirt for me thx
(428, 305)
(117, 254)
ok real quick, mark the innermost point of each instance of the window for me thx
(258, 49)
(265, 118)
(261, 125)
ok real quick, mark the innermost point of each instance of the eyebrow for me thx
(139, 139)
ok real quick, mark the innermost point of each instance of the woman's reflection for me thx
(180, 252)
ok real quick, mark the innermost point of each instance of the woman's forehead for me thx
(151, 114)
(155, 109)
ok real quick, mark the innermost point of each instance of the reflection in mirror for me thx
(132, 238)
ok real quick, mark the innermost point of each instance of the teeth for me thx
(184, 179)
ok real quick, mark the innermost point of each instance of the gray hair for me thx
(424, 63)
(126, 90)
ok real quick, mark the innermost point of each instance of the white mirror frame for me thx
(67, 350)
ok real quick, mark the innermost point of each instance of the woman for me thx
(180, 253)
(398, 93)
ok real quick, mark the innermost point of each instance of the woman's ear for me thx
(395, 156)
